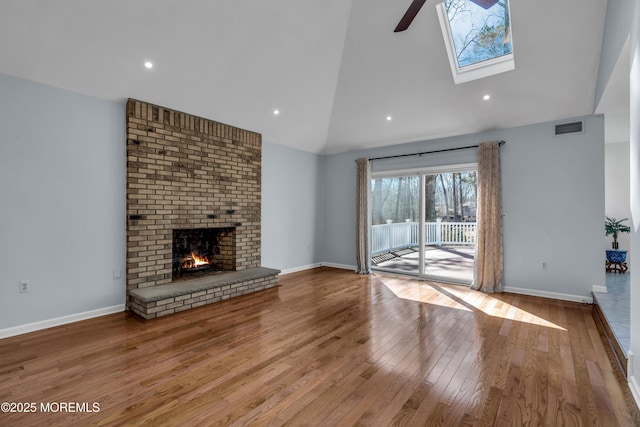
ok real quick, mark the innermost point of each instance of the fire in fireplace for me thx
(203, 250)
(194, 262)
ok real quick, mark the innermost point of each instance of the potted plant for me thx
(616, 259)
(613, 226)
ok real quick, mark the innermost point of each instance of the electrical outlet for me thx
(544, 265)
(24, 286)
(117, 273)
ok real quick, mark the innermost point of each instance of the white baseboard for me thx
(301, 268)
(341, 266)
(316, 265)
(553, 295)
(599, 289)
(50, 323)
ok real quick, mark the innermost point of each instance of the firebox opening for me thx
(203, 251)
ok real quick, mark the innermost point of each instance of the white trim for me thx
(317, 265)
(63, 320)
(340, 266)
(599, 289)
(635, 390)
(545, 294)
(484, 69)
(301, 268)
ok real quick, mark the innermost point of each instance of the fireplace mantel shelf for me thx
(155, 301)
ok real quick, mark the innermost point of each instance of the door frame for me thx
(421, 173)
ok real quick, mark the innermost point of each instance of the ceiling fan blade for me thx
(409, 15)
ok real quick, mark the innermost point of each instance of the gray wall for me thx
(617, 188)
(617, 28)
(290, 210)
(553, 199)
(62, 186)
(553, 189)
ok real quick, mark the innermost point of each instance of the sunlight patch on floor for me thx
(462, 298)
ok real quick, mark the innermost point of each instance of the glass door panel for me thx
(395, 224)
(450, 201)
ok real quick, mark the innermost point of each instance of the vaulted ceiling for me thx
(333, 68)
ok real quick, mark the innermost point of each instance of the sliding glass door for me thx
(395, 223)
(424, 223)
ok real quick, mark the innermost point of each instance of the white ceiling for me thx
(334, 68)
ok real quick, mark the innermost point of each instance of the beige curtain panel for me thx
(363, 181)
(488, 265)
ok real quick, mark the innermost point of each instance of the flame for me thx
(194, 261)
(198, 261)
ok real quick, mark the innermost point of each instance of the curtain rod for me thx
(430, 152)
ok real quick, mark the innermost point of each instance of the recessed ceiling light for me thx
(276, 112)
(148, 65)
(486, 97)
(388, 118)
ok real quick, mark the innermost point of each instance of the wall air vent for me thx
(565, 128)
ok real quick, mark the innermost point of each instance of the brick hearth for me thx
(161, 300)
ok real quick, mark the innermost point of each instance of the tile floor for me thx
(615, 306)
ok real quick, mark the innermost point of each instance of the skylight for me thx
(477, 35)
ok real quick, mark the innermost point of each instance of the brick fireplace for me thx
(193, 185)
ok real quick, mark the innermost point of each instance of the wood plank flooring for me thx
(327, 348)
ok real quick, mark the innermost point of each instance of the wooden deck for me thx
(327, 348)
(454, 263)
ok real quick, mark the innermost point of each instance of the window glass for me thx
(480, 29)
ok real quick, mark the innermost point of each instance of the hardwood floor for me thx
(327, 348)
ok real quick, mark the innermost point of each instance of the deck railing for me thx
(398, 235)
